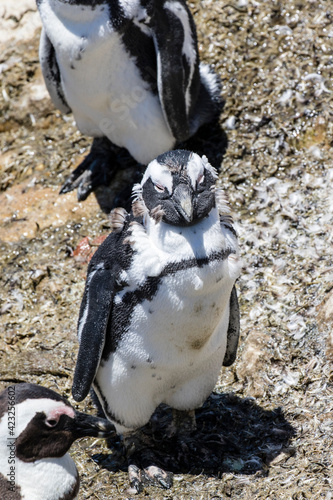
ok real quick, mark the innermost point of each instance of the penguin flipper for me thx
(233, 330)
(177, 65)
(93, 321)
(51, 73)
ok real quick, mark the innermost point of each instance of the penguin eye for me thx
(51, 422)
(200, 179)
(159, 188)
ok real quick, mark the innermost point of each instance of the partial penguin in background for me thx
(129, 71)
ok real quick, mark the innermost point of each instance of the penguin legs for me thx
(142, 462)
(97, 169)
(183, 422)
(181, 430)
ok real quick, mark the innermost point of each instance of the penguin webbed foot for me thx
(143, 464)
(97, 169)
(140, 475)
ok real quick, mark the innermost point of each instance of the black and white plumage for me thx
(159, 316)
(37, 428)
(129, 71)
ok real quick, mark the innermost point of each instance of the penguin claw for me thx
(87, 177)
(152, 474)
(158, 477)
(135, 479)
(142, 460)
(69, 184)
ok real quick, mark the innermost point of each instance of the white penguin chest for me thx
(184, 314)
(183, 302)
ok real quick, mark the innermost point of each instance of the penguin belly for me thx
(173, 348)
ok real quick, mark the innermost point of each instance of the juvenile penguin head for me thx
(177, 188)
(46, 424)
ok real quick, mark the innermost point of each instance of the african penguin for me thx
(159, 315)
(37, 428)
(129, 71)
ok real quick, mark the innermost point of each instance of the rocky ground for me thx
(270, 421)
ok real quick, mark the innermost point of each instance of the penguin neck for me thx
(186, 242)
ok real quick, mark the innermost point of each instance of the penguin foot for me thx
(135, 479)
(142, 464)
(97, 169)
(150, 475)
(158, 477)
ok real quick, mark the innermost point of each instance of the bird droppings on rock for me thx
(278, 173)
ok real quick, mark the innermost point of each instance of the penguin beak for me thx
(89, 425)
(183, 202)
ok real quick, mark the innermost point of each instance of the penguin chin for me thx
(176, 219)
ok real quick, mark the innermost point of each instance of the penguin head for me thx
(46, 424)
(178, 187)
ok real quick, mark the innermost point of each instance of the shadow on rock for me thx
(233, 435)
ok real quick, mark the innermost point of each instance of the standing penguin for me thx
(37, 428)
(159, 315)
(129, 71)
